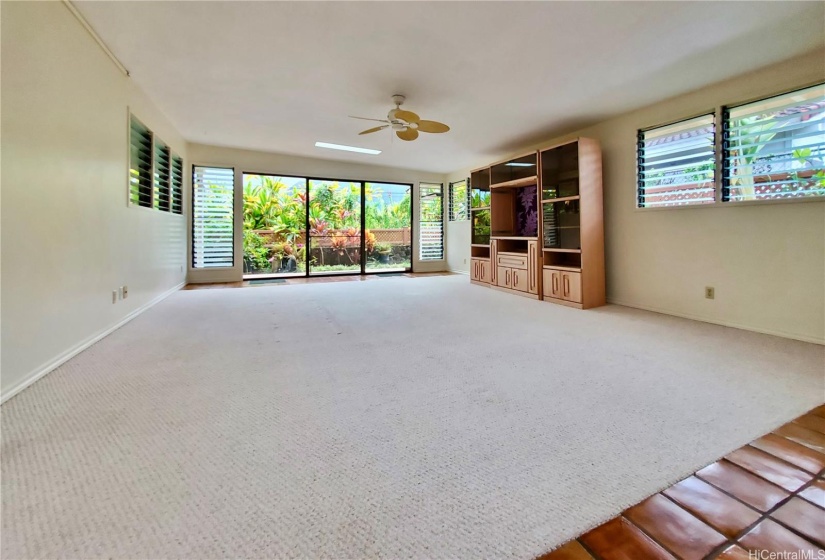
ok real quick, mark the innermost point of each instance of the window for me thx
(155, 173)
(140, 164)
(459, 201)
(677, 163)
(177, 185)
(431, 222)
(775, 148)
(162, 195)
(213, 229)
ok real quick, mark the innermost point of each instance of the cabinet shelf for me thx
(560, 267)
(562, 199)
(514, 237)
(546, 250)
(474, 208)
(524, 182)
(487, 245)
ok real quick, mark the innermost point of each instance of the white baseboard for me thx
(464, 272)
(773, 332)
(75, 350)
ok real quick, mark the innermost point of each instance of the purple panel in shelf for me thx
(527, 217)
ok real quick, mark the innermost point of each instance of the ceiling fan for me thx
(406, 124)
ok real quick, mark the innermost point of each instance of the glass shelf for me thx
(560, 172)
(562, 225)
(515, 170)
(480, 221)
(480, 188)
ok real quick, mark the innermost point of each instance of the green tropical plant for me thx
(255, 253)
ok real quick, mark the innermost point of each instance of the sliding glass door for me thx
(334, 227)
(388, 227)
(274, 226)
(298, 226)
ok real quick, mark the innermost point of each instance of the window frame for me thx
(154, 141)
(719, 111)
(723, 151)
(451, 211)
(421, 259)
(717, 179)
(192, 265)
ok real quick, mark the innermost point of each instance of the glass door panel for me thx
(274, 226)
(388, 227)
(334, 227)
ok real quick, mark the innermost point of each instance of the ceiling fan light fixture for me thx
(405, 124)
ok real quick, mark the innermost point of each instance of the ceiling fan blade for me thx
(407, 116)
(432, 126)
(376, 129)
(366, 119)
(408, 134)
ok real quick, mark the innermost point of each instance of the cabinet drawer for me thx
(512, 260)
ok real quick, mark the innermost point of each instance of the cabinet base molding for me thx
(564, 302)
(479, 283)
(514, 292)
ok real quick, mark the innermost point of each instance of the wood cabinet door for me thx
(532, 267)
(504, 277)
(475, 270)
(552, 283)
(484, 271)
(519, 280)
(571, 286)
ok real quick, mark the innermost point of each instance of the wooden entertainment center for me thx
(537, 226)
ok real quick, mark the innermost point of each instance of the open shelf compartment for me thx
(515, 212)
(569, 261)
(480, 252)
(512, 246)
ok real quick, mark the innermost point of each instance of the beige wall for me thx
(248, 161)
(68, 235)
(766, 260)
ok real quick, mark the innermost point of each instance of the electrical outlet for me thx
(114, 296)
(710, 293)
(124, 290)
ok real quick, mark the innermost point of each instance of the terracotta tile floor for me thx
(767, 496)
(310, 280)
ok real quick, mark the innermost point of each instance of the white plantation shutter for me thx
(162, 195)
(177, 185)
(775, 148)
(431, 222)
(677, 164)
(459, 201)
(212, 217)
(140, 164)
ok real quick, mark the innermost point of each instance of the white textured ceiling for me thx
(279, 76)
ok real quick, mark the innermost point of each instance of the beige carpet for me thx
(396, 418)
